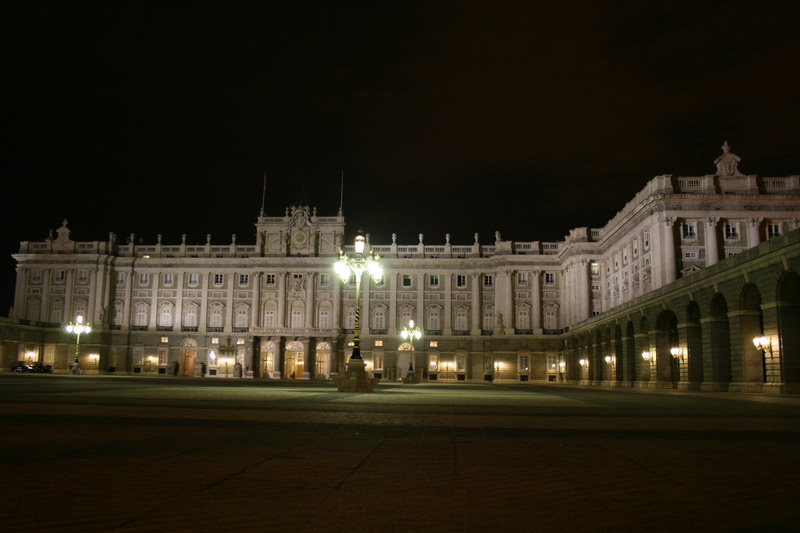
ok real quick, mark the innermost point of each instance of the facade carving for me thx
(502, 310)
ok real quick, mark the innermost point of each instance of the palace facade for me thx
(533, 311)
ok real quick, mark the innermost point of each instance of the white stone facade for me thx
(489, 310)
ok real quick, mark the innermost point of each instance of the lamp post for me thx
(77, 328)
(410, 333)
(356, 266)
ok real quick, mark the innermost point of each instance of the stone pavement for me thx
(95, 453)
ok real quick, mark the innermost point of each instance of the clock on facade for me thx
(299, 238)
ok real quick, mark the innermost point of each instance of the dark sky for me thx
(529, 118)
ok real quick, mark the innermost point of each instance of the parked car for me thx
(36, 367)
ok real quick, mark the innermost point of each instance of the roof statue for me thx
(727, 163)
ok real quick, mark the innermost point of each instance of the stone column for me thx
(536, 318)
(668, 256)
(280, 278)
(475, 318)
(255, 317)
(310, 290)
(712, 245)
(447, 319)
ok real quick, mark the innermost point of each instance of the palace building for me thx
(661, 296)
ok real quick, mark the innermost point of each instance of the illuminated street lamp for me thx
(77, 328)
(356, 378)
(410, 333)
(356, 266)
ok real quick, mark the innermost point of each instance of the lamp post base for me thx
(355, 378)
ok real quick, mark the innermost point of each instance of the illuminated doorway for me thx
(322, 364)
(189, 358)
(268, 360)
(294, 366)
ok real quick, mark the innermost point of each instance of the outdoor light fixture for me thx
(356, 266)
(609, 358)
(646, 355)
(78, 328)
(675, 351)
(583, 362)
(762, 343)
(410, 333)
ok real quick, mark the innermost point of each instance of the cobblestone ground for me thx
(83, 453)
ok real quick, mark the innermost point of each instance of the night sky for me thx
(528, 118)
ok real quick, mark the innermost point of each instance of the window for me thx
(215, 316)
(690, 254)
(433, 280)
(324, 280)
(433, 362)
(297, 319)
(379, 318)
(141, 315)
(523, 317)
(61, 275)
(242, 317)
(194, 280)
(646, 240)
(461, 320)
(165, 316)
(244, 280)
(689, 230)
(461, 362)
(773, 230)
(731, 230)
(83, 276)
(524, 363)
(324, 319)
(144, 280)
(169, 279)
(433, 344)
(190, 317)
(406, 280)
(378, 344)
(164, 340)
(635, 247)
(269, 319)
(461, 280)
(550, 319)
(120, 278)
(595, 268)
(549, 278)
(488, 320)
(270, 279)
(488, 280)
(433, 319)
(219, 279)
(522, 278)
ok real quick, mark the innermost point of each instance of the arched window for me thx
(141, 315)
(242, 316)
(190, 316)
(215, 315)
(165, 315)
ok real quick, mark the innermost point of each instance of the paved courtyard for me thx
(103, 453)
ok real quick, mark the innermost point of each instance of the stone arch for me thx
(717, 366)
(694, 346)
(789, 329)
(645, 349)
(618, 364)
(630, 360)
(666, 338)
(747, 364)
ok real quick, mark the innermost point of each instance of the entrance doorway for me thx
(294, 365)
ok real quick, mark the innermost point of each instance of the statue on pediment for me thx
(727, 163)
